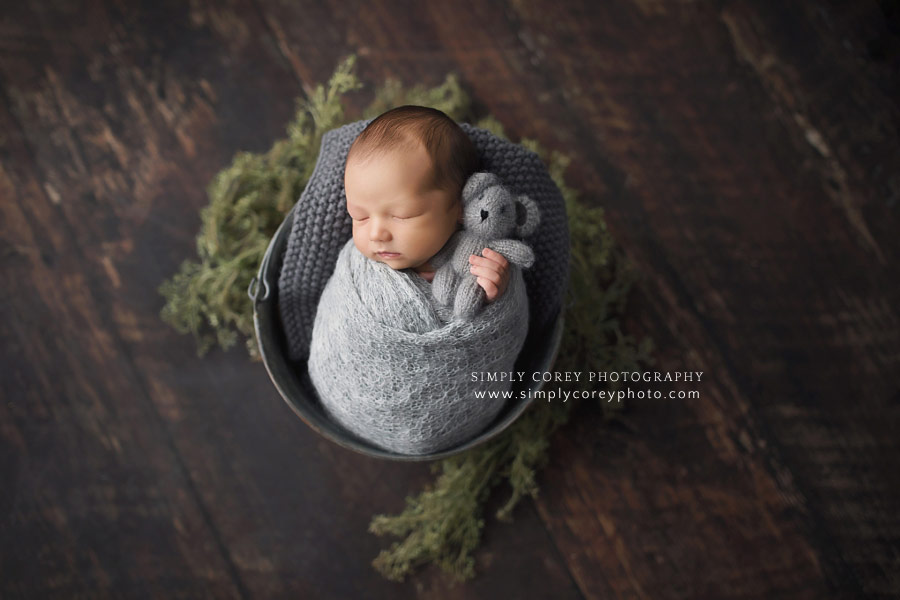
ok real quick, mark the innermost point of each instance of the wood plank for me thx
(96, 496)
(756, 274)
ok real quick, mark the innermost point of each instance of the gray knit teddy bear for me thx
(491, 214)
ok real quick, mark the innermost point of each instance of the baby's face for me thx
(399, 218)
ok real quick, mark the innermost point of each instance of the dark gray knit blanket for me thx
(321, 228)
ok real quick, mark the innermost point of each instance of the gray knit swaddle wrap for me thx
(394, 368)
(322, 226)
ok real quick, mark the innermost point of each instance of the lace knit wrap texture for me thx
(393, 367)
(321, 227)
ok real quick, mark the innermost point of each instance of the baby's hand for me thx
(491, 271)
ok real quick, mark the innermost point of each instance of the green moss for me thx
(248, 200)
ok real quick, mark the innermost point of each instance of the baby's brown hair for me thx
(453, 155)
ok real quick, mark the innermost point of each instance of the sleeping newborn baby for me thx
(387, 360)
(403, 181)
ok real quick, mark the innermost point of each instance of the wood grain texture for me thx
(746, 154)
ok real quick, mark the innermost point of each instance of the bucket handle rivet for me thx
(253, 290)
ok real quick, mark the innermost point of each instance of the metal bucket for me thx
(293, 383)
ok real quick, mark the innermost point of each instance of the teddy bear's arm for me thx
(514, 251)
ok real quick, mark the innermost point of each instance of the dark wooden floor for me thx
(747, 154)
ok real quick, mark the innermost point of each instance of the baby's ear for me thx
(528, 217)
(477, 183)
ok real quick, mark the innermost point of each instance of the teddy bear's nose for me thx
(484, 215)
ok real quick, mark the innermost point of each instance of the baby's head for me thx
(403, 179)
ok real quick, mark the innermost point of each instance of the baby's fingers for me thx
(485, 273)
(496, 257)
(490, 288)
(491, 260)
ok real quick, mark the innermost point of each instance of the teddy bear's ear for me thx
(527, 216)
(477, 183)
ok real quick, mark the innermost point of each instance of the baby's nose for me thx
(484, 215)
(379, 233)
